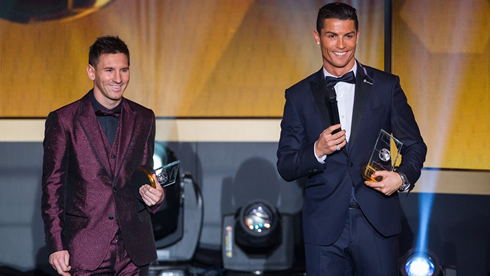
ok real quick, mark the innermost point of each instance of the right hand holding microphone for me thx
(328, 143)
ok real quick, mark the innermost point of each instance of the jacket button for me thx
(111, 217)
(114, 189)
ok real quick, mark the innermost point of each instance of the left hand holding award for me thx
(379, 172)
(389, 184)
(148, 184)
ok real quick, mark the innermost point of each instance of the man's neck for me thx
(341, 71)
(105, 102)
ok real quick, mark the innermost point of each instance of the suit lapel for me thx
(90, 125)
(364, 83)
(126, 131)
(318, 87)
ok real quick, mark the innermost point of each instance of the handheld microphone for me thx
(333, 111)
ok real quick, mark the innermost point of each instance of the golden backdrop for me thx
(209, 58)
(441, 53)
(234, 58)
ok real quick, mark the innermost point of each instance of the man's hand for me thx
(391, 182)
(328, 143)
(152, 196)
(60, 261)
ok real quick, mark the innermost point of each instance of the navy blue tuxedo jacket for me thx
(379, 103)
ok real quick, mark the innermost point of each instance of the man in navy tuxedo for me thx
(351, 226)
(94, 221)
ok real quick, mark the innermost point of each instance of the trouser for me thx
(116, 262)
(360, 250)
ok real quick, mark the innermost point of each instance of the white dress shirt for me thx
(345, 102)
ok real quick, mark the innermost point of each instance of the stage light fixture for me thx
(258, 228)
(420, 263)
(177, 225)
(257, 238)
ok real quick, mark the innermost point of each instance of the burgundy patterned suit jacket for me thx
(85, 184)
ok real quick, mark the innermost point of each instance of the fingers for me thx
(328, 143)
(388, 186)
(60, 262)
(65, 266)
(333, 128)
(152, 196)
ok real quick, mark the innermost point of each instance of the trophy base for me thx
(143, 175)
(367, 173)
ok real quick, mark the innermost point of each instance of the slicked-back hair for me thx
(336, 10)
(106, 45)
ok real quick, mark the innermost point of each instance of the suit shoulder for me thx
(379, 74)
(139, 108)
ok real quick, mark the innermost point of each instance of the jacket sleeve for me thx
(405, 128)
(148, 157)
(296, 157)
(55, 169)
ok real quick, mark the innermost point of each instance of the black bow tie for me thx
(332, 81)
(104, 112)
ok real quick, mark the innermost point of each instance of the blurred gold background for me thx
(221, 58)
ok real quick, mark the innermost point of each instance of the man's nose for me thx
(340, 43)
(117, 77)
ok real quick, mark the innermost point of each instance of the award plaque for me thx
(166, 175)
(384, 156)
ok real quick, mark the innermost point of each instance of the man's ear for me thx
(316, 35)
(91, 72)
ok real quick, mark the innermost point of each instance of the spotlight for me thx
(420, 263)
(258, 228)
(257, 238)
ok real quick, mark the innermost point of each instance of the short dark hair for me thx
(338, 11)
(106, 45)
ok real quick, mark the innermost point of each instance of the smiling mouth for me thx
(340, 53)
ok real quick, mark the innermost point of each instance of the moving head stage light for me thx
(257, 238)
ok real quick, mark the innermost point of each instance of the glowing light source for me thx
(417, 263)
(257, 218)
(258, 228)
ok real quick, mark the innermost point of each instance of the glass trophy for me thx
(384, 156)
(166, 175)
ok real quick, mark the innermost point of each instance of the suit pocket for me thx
(75, 221)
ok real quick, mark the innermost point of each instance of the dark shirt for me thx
(109, 123)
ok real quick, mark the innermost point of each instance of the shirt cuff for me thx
(319, 159)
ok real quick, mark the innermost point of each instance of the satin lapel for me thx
(318, 87)
(127, 126)
(90, 125)
(363, 88)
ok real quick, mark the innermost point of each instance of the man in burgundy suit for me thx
(94, 223)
